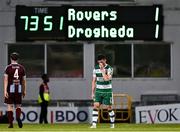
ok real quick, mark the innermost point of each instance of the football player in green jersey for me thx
(102, 89)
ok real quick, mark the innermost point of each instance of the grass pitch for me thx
(86, 127)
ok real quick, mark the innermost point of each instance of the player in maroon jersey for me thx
(14, 88)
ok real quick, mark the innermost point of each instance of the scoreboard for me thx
(89, 23)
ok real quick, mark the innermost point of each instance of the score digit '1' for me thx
(61, 22)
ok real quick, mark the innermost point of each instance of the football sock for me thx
(10, 119)
(112, 116)
(18, 113)
(94, 117)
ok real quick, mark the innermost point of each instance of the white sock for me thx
(112, 116)
(94, 117)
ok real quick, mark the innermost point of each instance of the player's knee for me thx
(10, 107)
(96, 106)
(18, 106)
(109, 107)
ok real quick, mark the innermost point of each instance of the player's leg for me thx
(108, 99)
(97, 103)
(18, 102)
(111, 115)
(95, 114)
(10, 115)
(9, 101)
(18, 115)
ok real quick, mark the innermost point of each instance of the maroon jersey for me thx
(16, 74)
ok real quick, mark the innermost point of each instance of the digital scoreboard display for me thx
(89, 23)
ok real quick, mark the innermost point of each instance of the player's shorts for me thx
(104, 96)
(14, 98)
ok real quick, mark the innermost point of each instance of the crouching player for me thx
(14, 88)
(102, 90)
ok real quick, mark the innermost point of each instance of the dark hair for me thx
(45, 77)
(14, 56)
(101, 57)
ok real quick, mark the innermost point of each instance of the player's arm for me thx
(24, 86)
(107, 74)
(5, 85)
(93, 86)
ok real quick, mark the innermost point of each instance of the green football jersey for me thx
(100, 82)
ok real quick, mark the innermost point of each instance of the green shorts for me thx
(104, 96)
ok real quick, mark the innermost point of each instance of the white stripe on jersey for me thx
(104, 86)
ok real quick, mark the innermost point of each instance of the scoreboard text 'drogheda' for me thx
(71, 23)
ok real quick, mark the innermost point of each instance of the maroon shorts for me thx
(14, 98)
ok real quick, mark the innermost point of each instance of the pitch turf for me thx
(86, 127)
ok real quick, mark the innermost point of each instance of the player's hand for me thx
(23, 94)
(6, 95)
